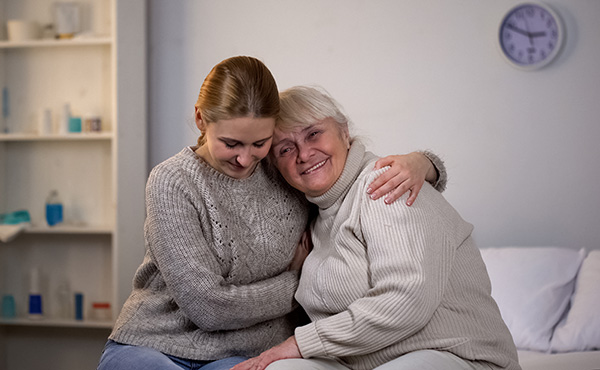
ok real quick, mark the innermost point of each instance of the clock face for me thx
(530, 35)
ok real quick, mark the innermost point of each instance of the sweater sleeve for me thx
(191, 272)
(408, 269)
(440, 168)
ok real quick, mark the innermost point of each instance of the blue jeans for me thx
(117, 356)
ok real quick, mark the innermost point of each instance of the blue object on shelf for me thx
(78, 306)
(54, 209)
(75, 124)
(9, 309)
(5, 101)
(14, 218)
(35, 304)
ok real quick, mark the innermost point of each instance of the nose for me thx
(304, 153)
(245, 157)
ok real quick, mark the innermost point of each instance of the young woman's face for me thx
(311, 158)
(235, 146)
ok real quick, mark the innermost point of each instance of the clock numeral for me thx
(519, 14)
(530, 12)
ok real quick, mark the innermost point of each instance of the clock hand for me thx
(517, 30)
(528, 33)
(537, 34)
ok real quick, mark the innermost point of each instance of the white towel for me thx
(9, 232)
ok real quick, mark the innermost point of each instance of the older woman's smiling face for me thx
(311, 158)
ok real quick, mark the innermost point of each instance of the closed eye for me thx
(260, 144)
(313, 134)
(286, 150)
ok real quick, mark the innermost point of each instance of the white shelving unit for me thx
(100, 176)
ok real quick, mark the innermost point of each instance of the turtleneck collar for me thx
(352, 168)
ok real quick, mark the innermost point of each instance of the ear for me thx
(346, 135)
(198, 117)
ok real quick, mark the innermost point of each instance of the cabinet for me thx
(100, 176)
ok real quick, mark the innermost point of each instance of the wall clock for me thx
(531, 35)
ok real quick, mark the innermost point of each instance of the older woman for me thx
(386, 286)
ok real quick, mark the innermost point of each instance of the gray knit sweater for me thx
(385, 280)
(214, 280)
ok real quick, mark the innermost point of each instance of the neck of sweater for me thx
(352, 168)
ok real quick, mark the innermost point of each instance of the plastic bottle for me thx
(78, 306)
(54, 209)
(35, 295)
(65, 118)
(63, 296)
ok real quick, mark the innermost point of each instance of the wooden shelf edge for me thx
(51, 322)
(87, 41)
(68, 229)
(62, 137)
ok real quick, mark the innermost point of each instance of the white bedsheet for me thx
(588, 360)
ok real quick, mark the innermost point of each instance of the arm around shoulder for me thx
(440, 180)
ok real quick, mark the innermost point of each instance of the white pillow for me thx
(580, 330)
(532, 286)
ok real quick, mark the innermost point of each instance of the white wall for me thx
(520, 146)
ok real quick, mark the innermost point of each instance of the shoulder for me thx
(181, 170)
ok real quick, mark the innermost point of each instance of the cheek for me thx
(285, 168)
(262, 152)
(220, 152)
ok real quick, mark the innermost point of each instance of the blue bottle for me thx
(54, 209)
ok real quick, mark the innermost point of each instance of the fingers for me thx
(382, 162)
(246, 365)
(414, 193)
(413, 187)
(383, 184)
(397, 192)
(307, 241)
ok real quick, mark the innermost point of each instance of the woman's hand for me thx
(407, 172)
(302, 250)
(287, 349)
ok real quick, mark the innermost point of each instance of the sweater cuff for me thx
(309, 342)
(440, 168)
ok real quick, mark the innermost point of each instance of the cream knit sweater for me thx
(214, 280)
(384, 280)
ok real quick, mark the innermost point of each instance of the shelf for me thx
(68, 229)
(62, 323)
(61, 137)
(100, 176)
(92, 41)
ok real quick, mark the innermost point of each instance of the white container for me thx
(67, 19)
(45, 126)
(22, 30)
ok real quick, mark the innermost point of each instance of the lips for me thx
(314, 168)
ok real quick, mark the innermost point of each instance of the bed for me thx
(549, 298)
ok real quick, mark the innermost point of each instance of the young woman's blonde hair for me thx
(237, 87)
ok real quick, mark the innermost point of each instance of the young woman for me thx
(217, 282)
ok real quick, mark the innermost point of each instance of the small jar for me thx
(101, 311)
(92, 123)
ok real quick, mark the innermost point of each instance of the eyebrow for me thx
(230, 140)
(304, 130)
